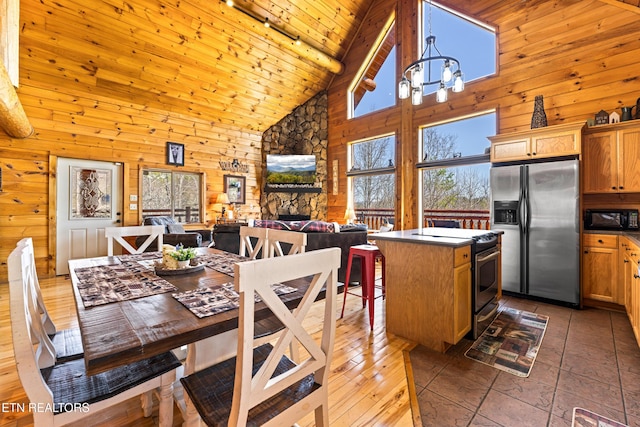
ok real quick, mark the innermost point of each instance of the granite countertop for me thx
(452, 237)
(633, 235)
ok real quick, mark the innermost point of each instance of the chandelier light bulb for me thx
(417, 76)
(403, 88)
(446, 72)
(441, 94)
(416, 96)
(458, 83)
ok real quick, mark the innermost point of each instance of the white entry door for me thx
(88, 198)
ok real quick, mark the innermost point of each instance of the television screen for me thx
(291, 169)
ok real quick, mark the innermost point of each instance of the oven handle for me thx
(491, 313)
(491, 256)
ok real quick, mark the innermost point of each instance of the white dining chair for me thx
(296, 239)
(247, 246)
(118, 234)
(229, 393)
(65, 386)
(66, 343)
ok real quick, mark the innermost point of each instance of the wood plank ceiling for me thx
(197, 57)
(203, 58)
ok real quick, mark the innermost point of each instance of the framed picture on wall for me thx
(234, 186)
(175, 154)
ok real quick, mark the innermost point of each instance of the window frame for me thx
(201, 197)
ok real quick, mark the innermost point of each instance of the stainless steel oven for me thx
(486, 261)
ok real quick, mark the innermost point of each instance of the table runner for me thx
(207, 301)
(111, 283)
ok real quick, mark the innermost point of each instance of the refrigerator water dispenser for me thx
(505, 212)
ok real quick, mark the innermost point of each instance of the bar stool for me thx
(368, 255)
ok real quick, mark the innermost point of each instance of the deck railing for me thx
(185, 216)
(471, 219)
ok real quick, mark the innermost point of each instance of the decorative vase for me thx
(184, 264)
(539, 118)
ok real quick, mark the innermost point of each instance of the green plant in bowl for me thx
(183, 254)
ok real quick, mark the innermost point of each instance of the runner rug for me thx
(584, 418)
(511, 342)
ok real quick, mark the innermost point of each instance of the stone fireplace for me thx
(304, 131)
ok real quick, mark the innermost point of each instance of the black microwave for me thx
(611, 219)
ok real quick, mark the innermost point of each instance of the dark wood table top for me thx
(122, 332)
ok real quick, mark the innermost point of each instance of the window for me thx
(372, 179)
(175, 194)
(374, 87)
(455, 170)
(457, 35)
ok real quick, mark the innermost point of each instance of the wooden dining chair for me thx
(296, 239)
(66, 343)
(261, 386)
(119, 233)
(64, 387)
(247, 247)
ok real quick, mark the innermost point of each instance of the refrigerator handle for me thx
(522, 203)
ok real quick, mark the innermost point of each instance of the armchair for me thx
(175, 233)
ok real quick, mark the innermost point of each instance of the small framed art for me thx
(175, 154)
(234, 186)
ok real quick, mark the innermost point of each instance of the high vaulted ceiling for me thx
(204, 58)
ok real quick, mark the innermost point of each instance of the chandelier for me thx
(418, 74)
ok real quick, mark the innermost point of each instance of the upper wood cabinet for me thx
(551, 141)
(611, 158)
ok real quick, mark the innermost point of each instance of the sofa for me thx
(174, 234)
(320, 235)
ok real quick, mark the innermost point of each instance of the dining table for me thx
(121, 332)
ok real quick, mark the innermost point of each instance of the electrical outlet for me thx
(133, 207)
(133, 197)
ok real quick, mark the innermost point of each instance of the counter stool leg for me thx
(346, 283)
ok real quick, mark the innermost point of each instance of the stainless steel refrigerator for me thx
(537, 207)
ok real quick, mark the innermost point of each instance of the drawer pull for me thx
(600, 241)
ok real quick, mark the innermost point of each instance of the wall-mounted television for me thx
(288, 172)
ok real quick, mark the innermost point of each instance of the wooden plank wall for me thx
(580, 55)
(78, 114)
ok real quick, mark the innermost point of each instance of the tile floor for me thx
(588, 358)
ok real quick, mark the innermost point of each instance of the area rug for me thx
(511, 342)
(584, 418)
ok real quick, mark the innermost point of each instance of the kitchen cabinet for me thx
(600, 268)
(630, 254)
(611, 157)
(461, 293)
(428, 298)
(552, 141)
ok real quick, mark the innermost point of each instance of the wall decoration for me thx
(234, 186)
(175, 154)
(335, 177)
(90, 193)
(234, 166)
(614, 117)
(539, 118)
(602, 118)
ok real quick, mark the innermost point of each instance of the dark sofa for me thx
(227, 238)
(174, 234)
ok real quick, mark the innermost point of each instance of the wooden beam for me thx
(13, 119)
(623, 5)
(9, 26)
(302, 49)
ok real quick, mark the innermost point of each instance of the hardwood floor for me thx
(368, 378)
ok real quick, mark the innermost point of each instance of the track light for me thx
(229, 3)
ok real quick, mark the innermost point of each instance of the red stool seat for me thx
(368, 255)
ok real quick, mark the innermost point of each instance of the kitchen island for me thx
(429, 284)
